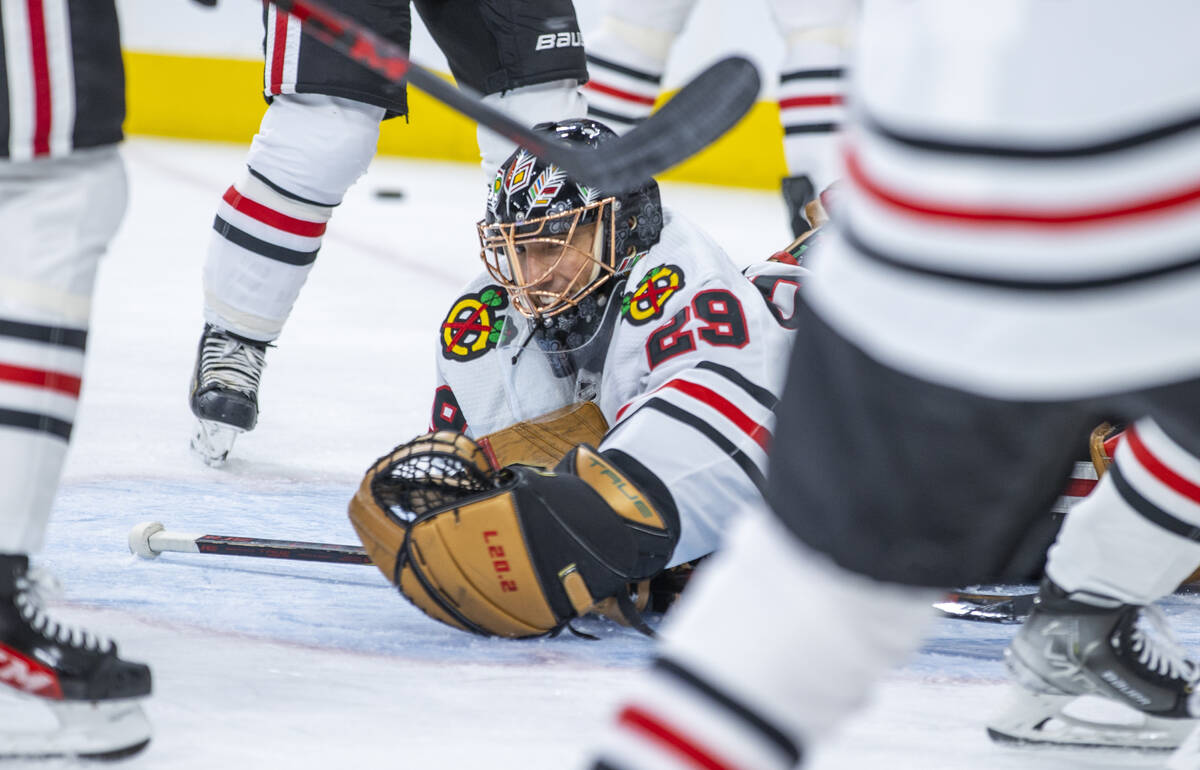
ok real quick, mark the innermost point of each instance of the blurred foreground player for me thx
(62, 195)
(317, 138)
(1017, 260)
(628, 54)
(596, 310)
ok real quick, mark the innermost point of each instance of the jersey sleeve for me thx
(698, 411)
(446, 413)
(483, 383)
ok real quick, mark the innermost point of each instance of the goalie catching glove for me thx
(514, 552)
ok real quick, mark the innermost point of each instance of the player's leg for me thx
(627, 56)
(751, 672)
(1131, 542)
(525, 57)
(816, 36)
(829, 594)
(57, 217)
(316, 139)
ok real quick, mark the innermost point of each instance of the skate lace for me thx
(229, 362)
(1158, 649)
(36, 588)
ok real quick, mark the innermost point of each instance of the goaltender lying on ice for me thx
(604, 310)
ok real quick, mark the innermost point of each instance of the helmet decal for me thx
(588, 194)
(493, 199)
(519, 173)
(546, 186)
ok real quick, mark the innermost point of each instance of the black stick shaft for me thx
(282, 549)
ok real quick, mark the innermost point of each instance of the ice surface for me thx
(281, 664)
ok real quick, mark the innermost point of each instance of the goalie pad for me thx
(545, 440)
(515, 552)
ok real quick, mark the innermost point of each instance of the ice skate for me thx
(93, 693)
(224, 394)
(798, 192)
(1090, 675)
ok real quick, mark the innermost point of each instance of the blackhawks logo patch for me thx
(474, 325)
(647, 300)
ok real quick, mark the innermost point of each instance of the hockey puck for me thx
(389, 193)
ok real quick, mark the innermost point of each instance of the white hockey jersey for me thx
(688, 381)
(1021, 236)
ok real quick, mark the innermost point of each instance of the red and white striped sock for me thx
(41, 366)
(263, 247)
(1138, 535)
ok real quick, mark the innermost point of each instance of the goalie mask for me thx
(554, 242)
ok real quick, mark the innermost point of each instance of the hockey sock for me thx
(771, 647)
(553, 101)
(810, 108)
(58, 217)
(620, 96)
(1133, 539)
(626, 59)
(269, 225)
(263, 238)
(811, 83)
(40, 370)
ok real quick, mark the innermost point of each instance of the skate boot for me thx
(93, 693)
(224, 394)
(1091, 671)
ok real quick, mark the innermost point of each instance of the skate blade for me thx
(1084, 722)
(89, 730)
(213, 440)
(1187, 756)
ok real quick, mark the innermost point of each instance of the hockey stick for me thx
(698, 115)
(989, 607)
(1008, 607)
(149, 539)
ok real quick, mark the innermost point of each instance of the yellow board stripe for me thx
(220, 99)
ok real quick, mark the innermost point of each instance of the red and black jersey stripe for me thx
(678, 398)
(900, 177)
(895, 259)
(1003, 149)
